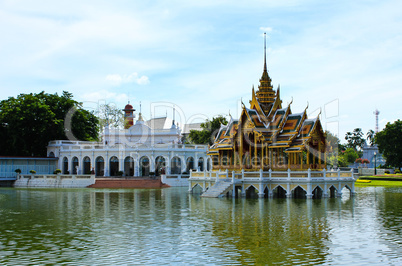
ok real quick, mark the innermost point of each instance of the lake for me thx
(170, 226)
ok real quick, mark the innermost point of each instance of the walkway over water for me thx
(310, 184)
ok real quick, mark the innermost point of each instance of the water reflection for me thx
(87, 226)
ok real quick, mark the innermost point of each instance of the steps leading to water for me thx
(217, 190)
(128, 183)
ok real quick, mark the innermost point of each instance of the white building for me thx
(138, 150)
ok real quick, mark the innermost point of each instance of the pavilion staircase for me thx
(218, 190)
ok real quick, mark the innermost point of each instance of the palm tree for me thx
(370, 136)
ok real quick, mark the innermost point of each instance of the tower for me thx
(128, 116)
(376, 112)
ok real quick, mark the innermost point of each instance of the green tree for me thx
(355, 139)
(110, 115)
(371, 136)
(389, 143)
(208, 132)
(332, 142)
(29, 121)
(350, 155)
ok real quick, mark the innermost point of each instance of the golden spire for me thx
(265, 93)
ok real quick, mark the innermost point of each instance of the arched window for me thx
(75, 165)
(51, 154)
(160, 166)
(189, 164)
(209, 164)
(65, 165)
(86, 163)
(129, 166)
(200, 164)
(175, 166)
(99, 166)
(144, 166)
(114, 166)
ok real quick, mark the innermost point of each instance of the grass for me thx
(380, 181)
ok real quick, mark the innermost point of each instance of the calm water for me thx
(169, 226)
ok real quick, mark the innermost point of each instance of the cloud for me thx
(117, 79)
(266, 29)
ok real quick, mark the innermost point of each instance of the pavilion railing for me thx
(270, 175)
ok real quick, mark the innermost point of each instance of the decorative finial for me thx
(265, 51)
(173, 115)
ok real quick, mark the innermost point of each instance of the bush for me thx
(386, 172)
(18, 171)
(119, 173)
(57, 171)
(397, 171)
(32, 171)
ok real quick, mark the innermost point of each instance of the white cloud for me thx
(117, 80)
(266, 29)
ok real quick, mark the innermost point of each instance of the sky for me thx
(342, 59)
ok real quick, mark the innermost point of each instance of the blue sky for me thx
(343, 57)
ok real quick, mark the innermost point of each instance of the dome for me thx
(128, 107)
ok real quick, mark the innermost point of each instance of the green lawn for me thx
(380, 180)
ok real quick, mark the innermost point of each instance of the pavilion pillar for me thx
(255, 151)
(262, 155)
(319, 155)
(289, 160)
(241, 151)
(270, 158)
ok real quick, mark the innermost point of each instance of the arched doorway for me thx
(99, 166)
(51, 154)
(114, 166)
(65, 165)
(209, 164)
(144, 166)
(252, 192)
(160, 165)
(332, 192)
(317, 193)
(189, 164)
(299, 193)
(75, 165)
(201, 164)
(279, 192)
(86, 163)
(175, 166)
(129, 166)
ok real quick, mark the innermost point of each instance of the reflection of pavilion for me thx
(264, 142)
(140, 149)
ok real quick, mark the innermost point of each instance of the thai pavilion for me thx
(269, 136)
(270, 152)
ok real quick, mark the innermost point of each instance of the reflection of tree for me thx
(273, 231)
(391, 212)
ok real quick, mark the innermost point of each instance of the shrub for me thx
(358, 160)
(119, 173)
(365, 161)
(397, 171)
(57, 171)
(386, 172)
(18, 171)
(32, 171)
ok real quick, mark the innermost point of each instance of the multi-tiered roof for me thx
(274, 127)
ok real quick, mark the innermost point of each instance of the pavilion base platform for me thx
(279, 184)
